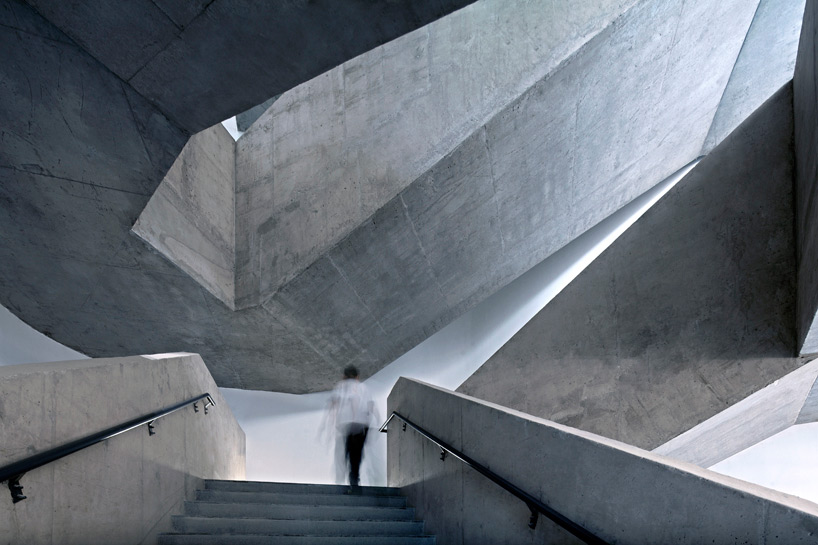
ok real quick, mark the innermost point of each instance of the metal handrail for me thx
(534, 504)
(14, 472)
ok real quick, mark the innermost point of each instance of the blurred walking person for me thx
(352, 409)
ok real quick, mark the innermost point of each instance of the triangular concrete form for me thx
(788, 401)
(766, 62)
(688, 312)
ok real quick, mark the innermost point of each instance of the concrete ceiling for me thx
(444, 210)
(202, 61)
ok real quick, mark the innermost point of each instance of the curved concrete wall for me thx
(123, 490)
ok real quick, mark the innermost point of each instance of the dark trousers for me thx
(355, 437)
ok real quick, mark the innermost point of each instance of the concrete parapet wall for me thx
(805, 99)
(125, 489)
(621, 493)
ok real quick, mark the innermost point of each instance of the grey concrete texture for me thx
(806, 187)
(82, 154)
(74, 179)
(766, 62)
(333, 151)
(191, 218)
(788, 401)
(182, 55)
(126, 489)
(492, 207)
(688, 312)
(620, 493)
(245, 119)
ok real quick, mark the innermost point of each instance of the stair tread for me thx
(204, 539)
(233, 526)
(376, 521)
(297, 512)
(298, 499)
(215, 484)
(249, 512)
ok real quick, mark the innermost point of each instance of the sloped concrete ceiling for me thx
(202, 61)
(689, 311)
(629, 107)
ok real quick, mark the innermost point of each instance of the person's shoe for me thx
(354, 490)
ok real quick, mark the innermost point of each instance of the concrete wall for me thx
(765, 63)
(191, 218)
(806, 191)
(81, 157)
(621, 493)
(493, 207)
(445, 359)
(689, 311)
(125, 489)
(83, 152)
(786, 402)
(332, 151)
(202, 61)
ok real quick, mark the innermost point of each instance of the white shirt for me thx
(353, 403)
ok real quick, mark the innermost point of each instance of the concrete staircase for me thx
(242, 512)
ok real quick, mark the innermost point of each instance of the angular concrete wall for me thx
(766, 62)
(806, 191)
(191, 217)
(620, 493)
(786, 402)
(331, 152)
(200, 62)
(125, 489)
(82, 154)
(76, 177)
(574, 148)
(689, 311)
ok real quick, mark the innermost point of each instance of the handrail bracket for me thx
(535, 515)
(16, 488)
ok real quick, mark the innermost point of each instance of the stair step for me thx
(233, 526)
(223, 496)
(304, 512)
(296, 488)
(198, 539)
(247, 512)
